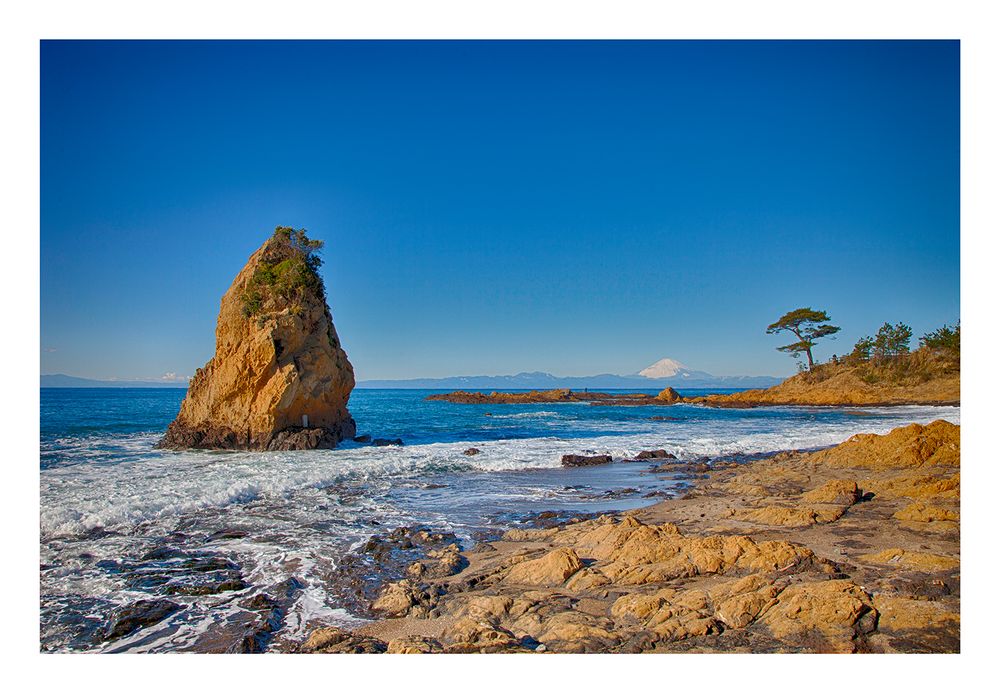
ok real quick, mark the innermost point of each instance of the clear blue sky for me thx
(493, 207)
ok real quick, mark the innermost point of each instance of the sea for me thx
(199, 539)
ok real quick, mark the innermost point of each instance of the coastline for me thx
(853, 548)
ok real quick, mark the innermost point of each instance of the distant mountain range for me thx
(664, 373)
(60, 380)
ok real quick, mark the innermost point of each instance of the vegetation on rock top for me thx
(288, 272)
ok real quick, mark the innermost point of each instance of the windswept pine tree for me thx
(807, 325)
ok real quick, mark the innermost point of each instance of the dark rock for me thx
(226, 534)
(144, 612)
(585, 460)
(260, 602)
(472, 451)
(655, 455)
(363, 439)
(619, 493)
(683, 467)
(162, 553)
(225, 581)
(385, 442)
(306, 439)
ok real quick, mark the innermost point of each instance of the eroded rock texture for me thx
(279, 379)
(850, 549)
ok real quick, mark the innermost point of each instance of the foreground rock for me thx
(851, 549)
(279, 379)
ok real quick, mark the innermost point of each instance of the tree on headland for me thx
(892, 340)
(862, 349)
(807, 325)
(944, 339)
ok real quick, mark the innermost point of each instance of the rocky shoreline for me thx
(850, 549)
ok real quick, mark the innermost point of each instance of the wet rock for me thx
(161, 553)
(363, 438)
(227, 534)
(361, 577)
(655, 455)
(386, 442)
(211, 583)
(618, 493)
(142, 613)
(439, 563)
(683, 468)
(585, 460)
(472, 451)
(260, 602)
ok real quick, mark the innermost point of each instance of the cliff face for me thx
(279, 379)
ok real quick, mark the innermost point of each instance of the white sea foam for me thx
(151, 485)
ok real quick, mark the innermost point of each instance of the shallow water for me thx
(290, 522)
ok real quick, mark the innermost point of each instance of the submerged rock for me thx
(279, 379)
(144, 612)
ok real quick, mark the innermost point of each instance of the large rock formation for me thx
(279, 379)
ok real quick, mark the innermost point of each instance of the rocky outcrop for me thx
(784, 554)
(669, 396)
(279, 379)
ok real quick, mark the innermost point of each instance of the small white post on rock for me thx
(305, 421)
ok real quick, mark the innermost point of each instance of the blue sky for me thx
(494, 207)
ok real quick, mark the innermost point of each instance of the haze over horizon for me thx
(499, 207)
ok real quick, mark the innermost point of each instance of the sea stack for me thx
(279, 379)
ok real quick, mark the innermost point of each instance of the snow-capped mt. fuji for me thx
(675, 370)
(664, 368)
(663, 373)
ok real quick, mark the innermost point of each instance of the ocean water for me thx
(122, 522)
